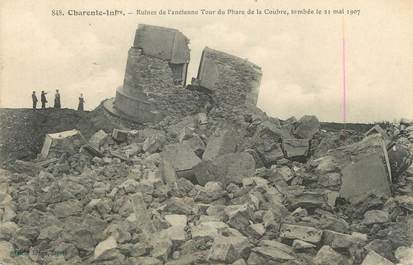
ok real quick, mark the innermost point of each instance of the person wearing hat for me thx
(34, 100)
(43, 99)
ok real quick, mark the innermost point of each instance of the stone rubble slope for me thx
(237, 189)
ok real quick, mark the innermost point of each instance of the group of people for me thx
(57, 104)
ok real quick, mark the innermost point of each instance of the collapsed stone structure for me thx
(231, 80)
(155, 79)
(157, 61)
(146, 197)
(205, 189)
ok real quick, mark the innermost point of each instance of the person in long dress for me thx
(57, 100)
(81, 105)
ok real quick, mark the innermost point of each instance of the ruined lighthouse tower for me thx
(154, 85)
(157, 61)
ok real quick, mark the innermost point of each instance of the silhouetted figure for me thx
(81, 105)
(43, 99)
(34, 99)
(57, 100)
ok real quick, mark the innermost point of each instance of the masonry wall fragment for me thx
(230, 79)
(156, 73)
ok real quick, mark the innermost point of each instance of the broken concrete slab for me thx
(185, 134)
(6, 249)
(296, 149)
(300, 245)
(181, 158)
(275, 244)
(310, 199)
(120, 136)
(220, 143)
(176, 219)
(404, 254)
(373, 258)
(56, 144)
(271, 253)
(268, 129)
(305, 233)
(375, 217)
(202, 119)
(325, 164)
(366, 176)
(255, 231)
(229, 79)
(376, 129)
(161, 246)
(176, 234)
(365, 169)
(142, 215)
(272, 156)
(154, 142)
(167, 172)
(327, 255)
(228, 168)
(103, 247)
(145, 261)
(338, 240)
(196, 144)
(284, 172)
(180, 205)
(98, 139)
(229, 249)
(239, 216)
(175, 129)
(306, 127)
(207, 230)
(330, 180)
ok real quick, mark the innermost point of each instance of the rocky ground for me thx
(211, 188)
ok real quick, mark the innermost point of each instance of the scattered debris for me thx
(208, 183)
(56, 144)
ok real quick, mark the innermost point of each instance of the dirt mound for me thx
(23, 130)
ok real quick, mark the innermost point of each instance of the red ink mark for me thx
(344, 96)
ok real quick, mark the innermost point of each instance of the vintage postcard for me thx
(206, 132)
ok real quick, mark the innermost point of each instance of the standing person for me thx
(43, 99)
(57, 100)
(81, 103)
(34, 99)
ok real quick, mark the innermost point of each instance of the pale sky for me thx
(300, 56)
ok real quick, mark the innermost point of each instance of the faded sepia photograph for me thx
(253, 132)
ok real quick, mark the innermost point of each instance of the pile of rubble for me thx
(199, 191)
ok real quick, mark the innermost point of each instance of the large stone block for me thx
(271, 252)
(307, 126)
(182, 158)
(365, 168)
(222, 142)
(327, 255)
(228, 168)
(229, 249)
(103, 248)
(373, 258)
(56, 144)
(305, 233)
(366, 176)
(233, 80)
(98, 138)
(296, 149)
